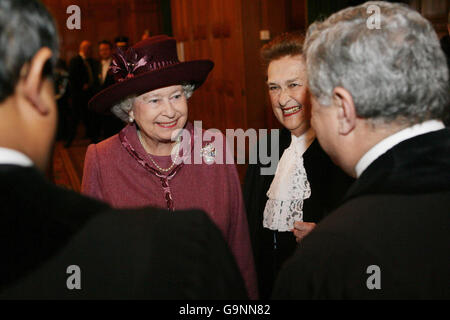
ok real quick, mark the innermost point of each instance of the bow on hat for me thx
(125, 64)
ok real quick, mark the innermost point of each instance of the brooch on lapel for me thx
(209, 153)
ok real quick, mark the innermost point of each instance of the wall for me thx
(436, 11)
(212, 30)
(105, 19)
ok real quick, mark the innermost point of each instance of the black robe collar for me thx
(417, 165)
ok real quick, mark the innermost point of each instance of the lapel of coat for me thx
(419, 164)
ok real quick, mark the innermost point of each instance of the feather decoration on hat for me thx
(125, 64)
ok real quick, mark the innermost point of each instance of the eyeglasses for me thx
(61, 80)
(59, 76)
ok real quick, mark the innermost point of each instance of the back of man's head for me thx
(25, 27)
(387, 56)
(28, 53)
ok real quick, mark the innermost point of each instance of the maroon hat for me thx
(149, 65)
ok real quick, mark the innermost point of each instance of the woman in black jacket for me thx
(283, 208)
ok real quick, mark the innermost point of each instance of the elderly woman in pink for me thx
(141, 165)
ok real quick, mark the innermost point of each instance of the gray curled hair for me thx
(122, 109)
(395, 73)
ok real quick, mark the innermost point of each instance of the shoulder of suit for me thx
(150, 223)
(107, 146)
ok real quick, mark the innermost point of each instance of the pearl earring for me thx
(130, 119)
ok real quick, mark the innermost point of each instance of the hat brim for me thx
(194, 72)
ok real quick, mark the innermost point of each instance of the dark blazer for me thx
(271, 248)
(395, 217)
(109, 81)
(126, 254)
(79, 76)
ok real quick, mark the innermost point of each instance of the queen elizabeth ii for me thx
(138, 166)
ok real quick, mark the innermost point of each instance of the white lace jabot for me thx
(289, 187)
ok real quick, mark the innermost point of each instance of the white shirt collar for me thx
(303, 142)
(389, 142)
(10, 156)
(289, 187)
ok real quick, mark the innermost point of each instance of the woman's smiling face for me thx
(160, 113)
(286, 80)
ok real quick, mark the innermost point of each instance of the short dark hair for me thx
(25, 27)
(285, 44)
(106, 42)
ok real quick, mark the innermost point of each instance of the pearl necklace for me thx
(177, 151)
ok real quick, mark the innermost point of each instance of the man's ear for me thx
(33, 79)
(346, 110)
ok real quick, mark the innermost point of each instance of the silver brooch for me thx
(209, 153)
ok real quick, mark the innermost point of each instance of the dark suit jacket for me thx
(395, 217)
(328, 185)
(79, 76)
(109, 80)
(131, 254)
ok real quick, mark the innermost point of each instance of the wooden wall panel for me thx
(105, 19)
(199, 45)
(220, 111)
(233, 68)
(254, 14)
(212, 30)
(297, 15)
(436, 11)
(260, 15)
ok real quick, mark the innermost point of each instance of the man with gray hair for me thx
(378, 97)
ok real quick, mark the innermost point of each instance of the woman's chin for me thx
(169, 134)
(292, 124)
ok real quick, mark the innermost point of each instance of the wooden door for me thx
(212, 30)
